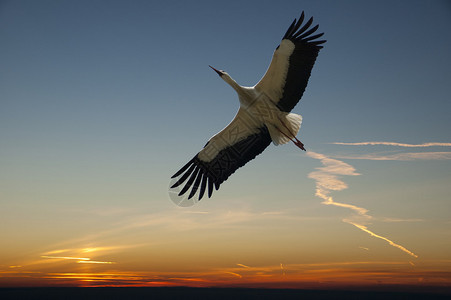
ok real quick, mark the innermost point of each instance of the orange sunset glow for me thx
(215, 258)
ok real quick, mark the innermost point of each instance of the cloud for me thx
(71, 252)
(92, 248)
(66, 257)
(312, 275)
(95, 262)
(393, 220)
(364, 228)
(444, 155)
(79, 260)
(333, 166)
(181, 219)
(75, 254)
(401, 156)
(327, 180)
(395, 144)
(235, 274)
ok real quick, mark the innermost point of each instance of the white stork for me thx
(264, 114)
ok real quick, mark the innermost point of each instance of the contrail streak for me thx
(364, 228)
(327, 180)
(80, 260)
(401, 156)
(95, 262)
(66, 257)
(330, 201)
(395, 144)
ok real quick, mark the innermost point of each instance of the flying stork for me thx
(264, 114)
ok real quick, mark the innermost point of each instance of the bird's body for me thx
(256, 111)
(263, 117)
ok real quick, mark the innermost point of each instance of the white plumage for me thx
(263, 117)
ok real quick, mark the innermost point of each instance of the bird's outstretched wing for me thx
(287, 75)
(241, 141)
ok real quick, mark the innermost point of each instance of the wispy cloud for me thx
(436, 155)
(95, 262)
(74, 254)
(397, 220)
(79, 260)
(364, 228)
(65, 257)
(327, 180)
(235, 274)
(93, 250)
(276, 275)
(401, 156)
(185, 220)
(14, 266)
(395, 144)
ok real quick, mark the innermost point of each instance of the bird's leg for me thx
(299, 144)
(295, 141)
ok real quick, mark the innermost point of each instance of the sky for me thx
(102, 101)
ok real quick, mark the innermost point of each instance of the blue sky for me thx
(102, 101)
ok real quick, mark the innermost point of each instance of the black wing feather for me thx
(301, 35)
(196, 185)
(210, 187)
(301, 62)
(226, 162)
(185, 176)
(203, 185)
(294, 26)
(189, 182)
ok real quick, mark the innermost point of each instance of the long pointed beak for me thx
(217, 71)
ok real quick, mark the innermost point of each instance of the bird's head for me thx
(220, 72)
(226, 77)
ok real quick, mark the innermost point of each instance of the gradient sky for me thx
(102, 101)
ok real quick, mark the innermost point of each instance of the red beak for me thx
(217, 71)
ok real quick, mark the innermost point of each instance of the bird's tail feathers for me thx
(285, 129)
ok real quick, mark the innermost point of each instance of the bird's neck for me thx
(238, 88)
